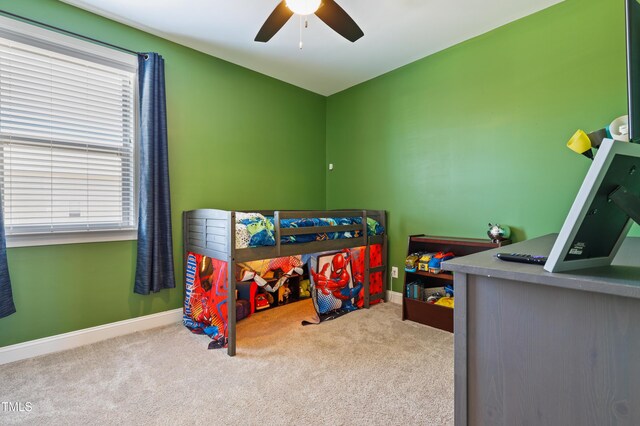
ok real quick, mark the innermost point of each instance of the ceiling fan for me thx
(327, 10)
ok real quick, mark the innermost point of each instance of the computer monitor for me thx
(601, 214)
(609, 200)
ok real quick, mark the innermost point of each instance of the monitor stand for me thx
(627, 202)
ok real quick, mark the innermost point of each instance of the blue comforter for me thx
(262, 231)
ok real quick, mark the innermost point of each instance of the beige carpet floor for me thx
(365, 368)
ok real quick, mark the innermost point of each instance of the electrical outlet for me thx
(394, 272)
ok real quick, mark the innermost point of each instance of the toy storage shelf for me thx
(443, 275)
(426, 313)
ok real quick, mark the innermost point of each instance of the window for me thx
(67, 138)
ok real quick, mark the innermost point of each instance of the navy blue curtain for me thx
(154, 266)
(6, 297)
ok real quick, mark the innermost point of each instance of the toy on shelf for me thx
(442, 296)
(423, 263)
(436, 260)
(411, 263)
(447, 302)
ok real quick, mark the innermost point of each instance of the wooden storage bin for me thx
(426, 313)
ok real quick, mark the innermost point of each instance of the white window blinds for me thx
(67, 142)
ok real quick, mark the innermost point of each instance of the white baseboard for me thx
(87, 336)
(394, 297)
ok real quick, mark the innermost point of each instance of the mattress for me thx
(256, 230)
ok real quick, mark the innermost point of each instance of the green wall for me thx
(237, 140)
(477, 133)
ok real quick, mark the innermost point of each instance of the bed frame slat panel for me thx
(217, 235)
(377, 296)
(195, 238)
(319, 246)
(256, 253)
(220, 255)
(217, 246)
(208, 214)
(319, 229)
(376, 239)
(196, 228)
(216, 239)
(306, 214)
(214, 230)
(216, 254)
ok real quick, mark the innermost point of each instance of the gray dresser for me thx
(540, 348)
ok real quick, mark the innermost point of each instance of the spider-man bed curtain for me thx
(205, 298)
(336, 288)
(337, 281)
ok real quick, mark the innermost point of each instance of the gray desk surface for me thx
(621, 279)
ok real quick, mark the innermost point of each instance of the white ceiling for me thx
(396, 32)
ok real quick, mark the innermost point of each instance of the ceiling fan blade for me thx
(339, 20)
(274, 22)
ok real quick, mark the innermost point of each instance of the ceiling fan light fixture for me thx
(303, 7)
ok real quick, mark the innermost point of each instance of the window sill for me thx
(50, 239)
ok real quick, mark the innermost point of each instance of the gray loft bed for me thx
(212, 233)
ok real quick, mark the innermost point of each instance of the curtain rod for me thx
(71, 33)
